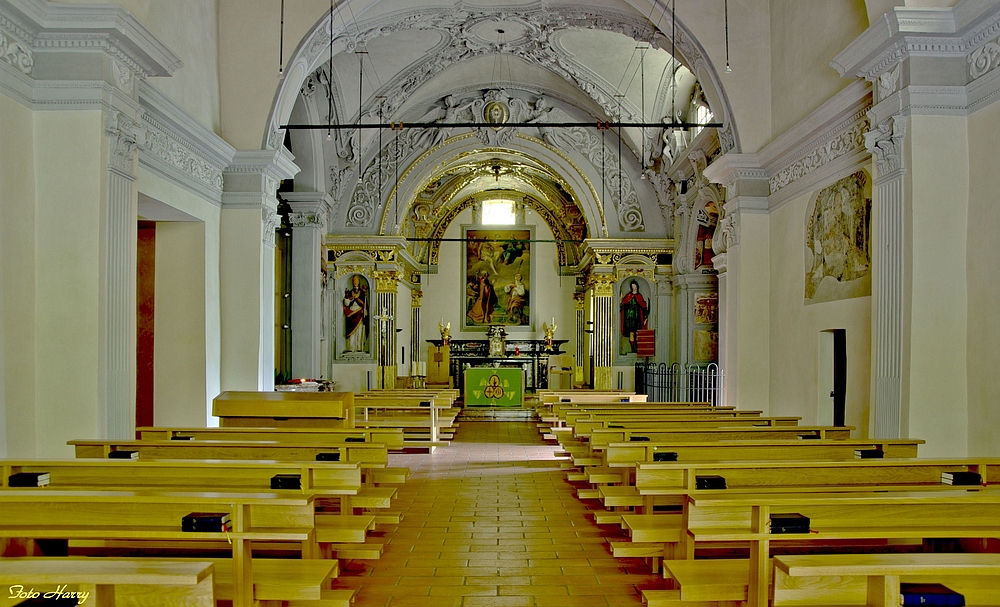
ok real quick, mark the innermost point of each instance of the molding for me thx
(911, 31)
(84, 28)
(983, 91)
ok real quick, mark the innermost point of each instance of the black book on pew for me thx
(610, 426)
(789, 522)
(710, 481)
(961, 478)
(638, 439)
(328, 457)
(425, 403)
(665, 456)
(286, 481)
(354, 439)
(929, 594)
(201, 522)
(868, 454)
(181, 437)
(28, 479)
(123, 455)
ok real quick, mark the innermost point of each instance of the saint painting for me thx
(497, 278)
(355, 305)
(633, 312)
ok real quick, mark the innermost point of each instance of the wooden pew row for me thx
(668, 484)
(391, 437)
(558, 428)
(285, 409)
(874, 579)
(152, 515)
(189, 583)
(659, 434)
(559, 411)
(424, 420)
(369, 455)
(894, 516)
(584, 426)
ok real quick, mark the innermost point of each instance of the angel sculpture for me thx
(445, 330)
(549, 333)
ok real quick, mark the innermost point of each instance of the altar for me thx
(494, 386)
(528, 355)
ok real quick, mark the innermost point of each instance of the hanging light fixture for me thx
(281, 42)
(728, 69)
(329, 78)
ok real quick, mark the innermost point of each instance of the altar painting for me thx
(498, 278)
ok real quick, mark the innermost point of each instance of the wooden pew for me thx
(144, 515)
(873, 579)
(391, 437)
(600, 438)
(369, 455)
(583, 427)
(285, 409)
(421, 418)
(834, 517)
(188, 583)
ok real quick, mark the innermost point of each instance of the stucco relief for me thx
(16, 54)
(838, 239)
(984, 59)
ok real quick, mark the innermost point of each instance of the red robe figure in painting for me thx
(486, 300)
(355, 315)
(633, 312)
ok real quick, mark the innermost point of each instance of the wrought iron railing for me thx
(680, 383)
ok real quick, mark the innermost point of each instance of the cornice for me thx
(50, 27)
(276, 164)
(910, 31)
(732, 168)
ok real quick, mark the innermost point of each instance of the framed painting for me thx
(498, 277)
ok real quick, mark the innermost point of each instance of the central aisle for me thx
(491, 521)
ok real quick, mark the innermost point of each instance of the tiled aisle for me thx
(491, 521)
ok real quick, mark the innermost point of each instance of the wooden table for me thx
(285, 409)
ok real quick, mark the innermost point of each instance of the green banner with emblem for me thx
(492, 387)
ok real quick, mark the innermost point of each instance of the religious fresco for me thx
(838, 237)
(706, 346)
(356, 314)
(706, 308)
(707, 219)
(497, 278)
(633, 313)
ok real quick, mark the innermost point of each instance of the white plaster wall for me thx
(795, 329)
(207, 251)
(69, 170)
(190, 29)
(805, 37)
(938, 391)
(241, 296)
(17, 259)
(550, 296)
(983, 283)
(749, 287)
(180, 369)
(402, 316)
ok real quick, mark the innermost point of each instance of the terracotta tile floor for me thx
(491, 521)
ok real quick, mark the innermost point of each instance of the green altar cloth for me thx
(492, 387)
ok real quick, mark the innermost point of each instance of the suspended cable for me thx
(329, 79)
(396, 203)
(381, 107)
(642, 94)
(281, 42)
(361, 86)
(728, 69)
(619, 149)
(673, 60)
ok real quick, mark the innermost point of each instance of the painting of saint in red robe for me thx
(355, 305)
(633, 312)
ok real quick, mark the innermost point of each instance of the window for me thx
(702, 115)
(498, 212)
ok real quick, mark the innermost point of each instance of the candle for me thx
(422, 369)
(553, 323)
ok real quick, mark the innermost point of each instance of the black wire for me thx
(281, 41)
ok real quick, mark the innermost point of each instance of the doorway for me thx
(832, 378)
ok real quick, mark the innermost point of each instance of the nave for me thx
(492, 521)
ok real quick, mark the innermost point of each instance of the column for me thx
(308, 218)
(117, 377)
(742, 241)
(885, 142)
(249, 221)
(415, 350)
(580, 314)
(603, 286)
(386, 287)
(688, 287)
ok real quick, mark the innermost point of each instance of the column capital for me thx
(309, 209)
(386, 281)
(252, 180)
(885, 143)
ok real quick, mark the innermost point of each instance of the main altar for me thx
(530, 356)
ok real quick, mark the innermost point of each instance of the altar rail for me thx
(676, 382)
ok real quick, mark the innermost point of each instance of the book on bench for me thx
(123, 455)
(869, 454)
(286, 481)
(710, 481)
(665, 456)
(789, 522)
(206, 522)
(354, 439)
(638, 439)
(28, 479)
(181, 437)
(961, 478)
(929, 594)
(328, 457)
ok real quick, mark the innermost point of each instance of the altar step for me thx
(496, 414)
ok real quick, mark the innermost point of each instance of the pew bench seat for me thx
(625, 496)
(173, 583)
(343, 529)
(389, 475)
(661, 528)
(873, 579)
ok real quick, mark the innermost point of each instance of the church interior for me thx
(507, 291)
